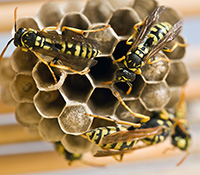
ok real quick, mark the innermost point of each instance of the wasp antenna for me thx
(2, 53)
(15, 18)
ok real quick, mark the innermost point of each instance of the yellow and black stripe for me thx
(96, 135)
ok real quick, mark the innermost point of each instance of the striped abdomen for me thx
(98, 134)
(157, 32)
(65, 47)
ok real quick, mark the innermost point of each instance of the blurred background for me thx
(21, 152)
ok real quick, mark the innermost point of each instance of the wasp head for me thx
(124, 75)
(18, 35)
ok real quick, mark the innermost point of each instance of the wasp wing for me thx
(131, 135)
(147, 24)
(169, 37)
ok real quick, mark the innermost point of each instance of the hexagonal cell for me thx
(97, 122)
(102, 102)
(6, 71)
(27, 22)
(23, 87)
(73, 6)
(156, 71)
(6, 96)
(50, 17)
(77, 87)
(44, 79)
(123, 20)
(155, 96)
(98, 11)
(103, 71)
(121, 4)
(135, 105)
(120, 50)
(179, 52)
(178, 74)
(23, 61)
(27, 115)
(49, 104)
(76, 20)
(137, 86)
(76, 144)
(144, 7)
(175, 97)
(106, 39)
(73, 120)
(50, 130)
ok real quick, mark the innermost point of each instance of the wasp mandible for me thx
(75, 50)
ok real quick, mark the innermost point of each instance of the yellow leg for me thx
(79, 31)
(136, 26)
(157, 60)
(47, 64)
(143, 117)
(69, 69)
(175, 45)
(119, 60)
(116, 121)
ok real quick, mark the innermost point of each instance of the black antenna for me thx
(15, 27)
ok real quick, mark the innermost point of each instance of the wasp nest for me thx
(58, 109)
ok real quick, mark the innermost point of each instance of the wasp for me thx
(71, 157)
(71, 49)
(181, 137)
(117, 140)
(148, 39)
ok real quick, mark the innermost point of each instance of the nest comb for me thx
(58, 110)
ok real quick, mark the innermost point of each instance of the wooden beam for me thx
(16, 133)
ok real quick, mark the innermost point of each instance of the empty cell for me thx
(49, 104)
(50, 130)
(102, 102)
(50, 17)
(103, 71)
(106, 39)
(178, 74)
(98, 11)
(155, 96)
(123, 20)
(44, 79)
(23, 87)
(77, 87)
(23, 61)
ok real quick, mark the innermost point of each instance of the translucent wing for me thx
(147, 24)
(131, 135)
(169, 37)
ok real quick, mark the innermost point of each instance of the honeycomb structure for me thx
(58, 110)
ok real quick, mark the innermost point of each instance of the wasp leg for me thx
(136, 26)
(157, 60)
(50, 28)
(47, 64)
(107, 82)
(116, 121)
(69, 69)
(175, 45)
(79, 31)
(143, 117)
(129, 89)
(119, 60)
(118, 159)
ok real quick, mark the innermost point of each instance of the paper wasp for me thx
(148, 39)
(75, 52)
(115, 140)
